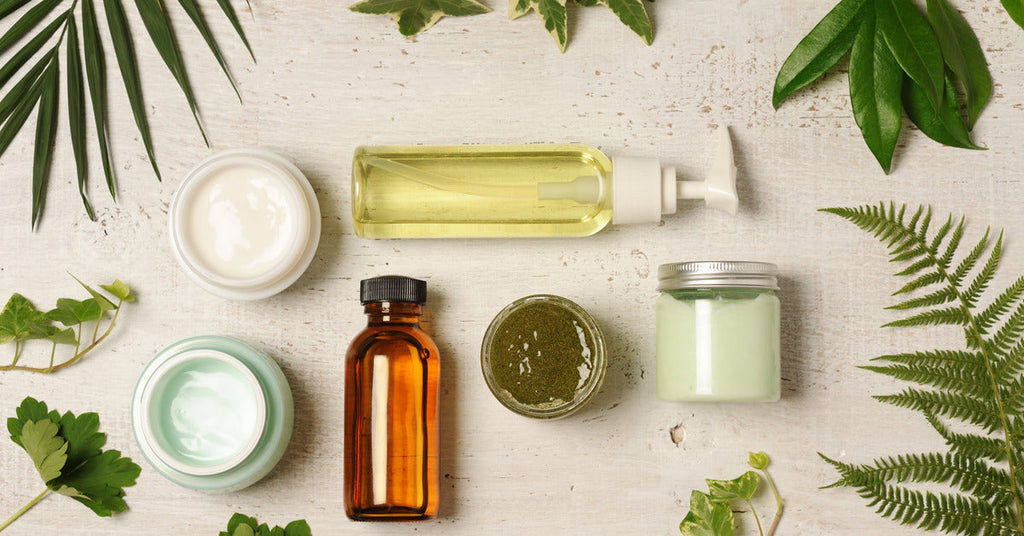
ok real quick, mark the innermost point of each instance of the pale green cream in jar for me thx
(718, 332)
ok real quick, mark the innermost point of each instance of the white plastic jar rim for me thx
(303, 242)
(153, 376)
(718, 274)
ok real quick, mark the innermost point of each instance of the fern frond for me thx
(1002, 304)
(917, 266)
(965, 381)
(940, 235)
(950, 316)
(1011, 364)
(954, 242)
(967, 474)
(925, 280)
(972, 445)
(942, 296)
(938, 358)
(969, 262)
(957, 406)
(953, 513)
(984, 277)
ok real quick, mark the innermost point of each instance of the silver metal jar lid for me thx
(717, 274)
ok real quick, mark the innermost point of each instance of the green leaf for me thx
(297, 528)
(154, 18)
(17, 318)
(22, 110)
(46, 136)
(73, 312)
(95, 70)
(945, 126)
(631, 13)
(820, 50)
(875, 84)
(22, 89)
(741, 487)
(76, 112)
(962, 53)
(913, 44)
(104, 303)
(415, 16)
(229, 12)
(242, 525)
(707, 518)
(551, 12)
(10, 6)
(47, 450)
(1015, 8)
(30, 49)
(99, 482)
(758, 460)
(196, 14)
(119, 290)
(29, 410)
(124, 50)
(63, 336)
(28, 21)
(244, 530)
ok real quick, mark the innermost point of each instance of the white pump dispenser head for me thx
(643, 190)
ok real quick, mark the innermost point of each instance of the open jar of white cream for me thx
(718, 332)
(245, 224)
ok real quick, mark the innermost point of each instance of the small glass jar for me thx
(718, 332)
(543, 356)
(212, 413)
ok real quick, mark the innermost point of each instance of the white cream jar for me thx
(245, 224)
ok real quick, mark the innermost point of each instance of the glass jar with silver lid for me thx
(718, 332)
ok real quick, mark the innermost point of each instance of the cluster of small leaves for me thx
(900, 60)
(979, 388)
(242, 525)
(415, 16)
(20, 322)
(711, 514)
(39, 83)
(68, 453)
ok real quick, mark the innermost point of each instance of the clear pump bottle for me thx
(392, 370)
(520, 190)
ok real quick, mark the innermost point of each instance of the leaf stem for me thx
(24, 509)
(778, 502)
(53, 351)
(757, 518)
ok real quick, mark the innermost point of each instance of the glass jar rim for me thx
(718, 274)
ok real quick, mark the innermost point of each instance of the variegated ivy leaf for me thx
(414, 16)
(551, 12)
(630, 12)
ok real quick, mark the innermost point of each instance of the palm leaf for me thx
(35, 45)
(76, 112)
(229, 12)
(196, 14)
(46, 134)
(95, 71)
(22, 109)
(28, 21)
(979, 388)
(160, 31)
(10, 6)
(21, 90)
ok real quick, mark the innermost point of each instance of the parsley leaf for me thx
(68, 453)
(415, 16)
(243, 525)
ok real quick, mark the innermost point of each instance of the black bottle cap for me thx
(393, 288)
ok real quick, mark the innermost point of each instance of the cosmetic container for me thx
(543, 357)
(244, 224)
(212, 413)
(718, 332)
(520, 190)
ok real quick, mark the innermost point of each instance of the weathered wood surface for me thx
(328, 80)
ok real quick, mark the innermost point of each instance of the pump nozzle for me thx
(718, 189)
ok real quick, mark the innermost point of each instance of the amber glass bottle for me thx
(391, 389)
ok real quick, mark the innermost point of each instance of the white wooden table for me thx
(328, 80)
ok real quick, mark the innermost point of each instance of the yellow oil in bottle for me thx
(479, 191)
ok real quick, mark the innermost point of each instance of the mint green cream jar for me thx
(718, 332)
(212, 413)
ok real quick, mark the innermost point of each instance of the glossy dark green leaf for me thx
(1015, 8)
(963, 55)
(10, 6)
(229, 12)
(945, 126)
(820, 50)
(46, 135)
(30, 49)
(154, 18)
(124, 50)
(76, 112)
(27, 21)
(196, 14)
(95, 70)
(914, 45)
(875, 85)
(21, 89)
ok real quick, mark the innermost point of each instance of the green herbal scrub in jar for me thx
(718, 332)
